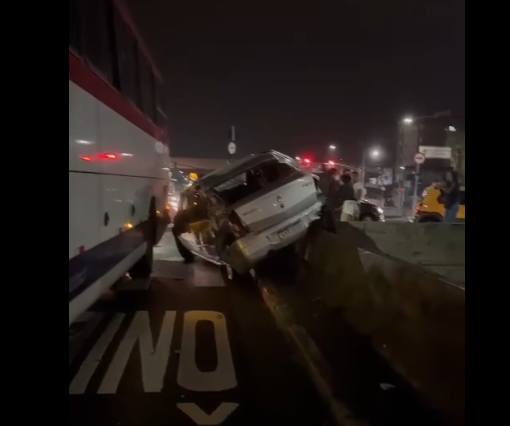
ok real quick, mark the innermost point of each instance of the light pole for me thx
(232, 146)
(406, 121)
(331, 153)
(370, 153)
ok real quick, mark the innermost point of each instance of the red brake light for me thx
(109, 156)
(86, 158)
(307, 161)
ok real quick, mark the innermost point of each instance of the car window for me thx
(252, 181)
(374, 193)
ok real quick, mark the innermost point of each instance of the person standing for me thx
(350, 207)
(359, 187)
(334, 200)
(329, 183)
(451, 196)
(326, 181)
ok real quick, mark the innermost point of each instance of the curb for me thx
(310, 355)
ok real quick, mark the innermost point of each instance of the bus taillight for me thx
(108, 156)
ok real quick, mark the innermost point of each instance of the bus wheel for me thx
(143, 268)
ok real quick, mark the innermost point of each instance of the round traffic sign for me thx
(232, 148)
(419, 158)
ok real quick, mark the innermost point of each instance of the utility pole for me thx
(364, 166)
(419, 159)
(232, 147)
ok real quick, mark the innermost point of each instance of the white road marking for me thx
(154, 359)
(189, 376)
(89, 366)
(195, 413)
(77, 341)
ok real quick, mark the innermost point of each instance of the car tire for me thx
(183, 251)
(368, 218)
(143, 268)
(179, 227)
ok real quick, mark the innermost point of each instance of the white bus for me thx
(118, 152)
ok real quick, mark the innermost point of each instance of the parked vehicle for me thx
(375, 195)
(240, 214)
(118, 152)
(370, 212)
(431, 209)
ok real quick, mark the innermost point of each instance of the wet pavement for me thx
(190, 351)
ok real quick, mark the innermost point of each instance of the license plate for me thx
(291, 231)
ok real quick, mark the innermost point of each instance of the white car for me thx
(238, 215)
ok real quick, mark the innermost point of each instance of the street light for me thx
(332, 147)
(375, 153)
(372, 153)
(408, 120)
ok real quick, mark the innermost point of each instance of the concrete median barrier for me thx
(438, 247)
(414, 319)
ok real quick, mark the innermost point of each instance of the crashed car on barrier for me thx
(238, 215)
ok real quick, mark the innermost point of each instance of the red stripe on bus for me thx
(81, 75)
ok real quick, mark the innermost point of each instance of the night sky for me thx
(298, 79)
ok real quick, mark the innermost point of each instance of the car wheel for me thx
(183, 251)
(178, 229)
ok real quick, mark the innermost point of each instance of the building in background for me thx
(457, 142)
(422, 131)
(431, 135)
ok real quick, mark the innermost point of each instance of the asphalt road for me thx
(191, 351)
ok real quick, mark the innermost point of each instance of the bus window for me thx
(148, 92)
(74, 28)
(127, 53)
(96, 43)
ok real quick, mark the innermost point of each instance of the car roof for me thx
(236, 168)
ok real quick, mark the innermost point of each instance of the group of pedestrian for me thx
(451, 194)
(343, 191)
